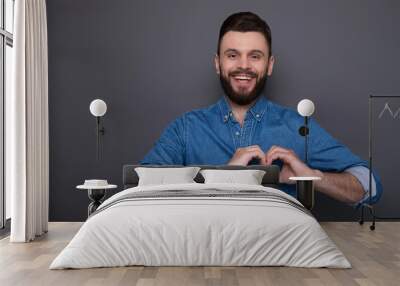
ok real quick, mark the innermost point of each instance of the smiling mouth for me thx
(243, 77)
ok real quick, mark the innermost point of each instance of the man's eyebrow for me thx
(231, 50)
(257, 52)
(251, 52)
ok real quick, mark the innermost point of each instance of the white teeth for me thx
(242, 77)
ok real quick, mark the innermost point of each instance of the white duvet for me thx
(225, 231)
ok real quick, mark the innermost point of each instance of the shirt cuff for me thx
(362, 174)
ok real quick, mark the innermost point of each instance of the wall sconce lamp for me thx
(305, 185)
(305, 108)
(98, 108)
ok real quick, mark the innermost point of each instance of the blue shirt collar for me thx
(257, 110)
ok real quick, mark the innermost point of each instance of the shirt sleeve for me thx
(362, 174)
(329, 155)
(169, 149)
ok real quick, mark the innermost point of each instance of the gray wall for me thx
(152, 60)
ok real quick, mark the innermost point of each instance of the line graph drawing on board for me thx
(387, 109)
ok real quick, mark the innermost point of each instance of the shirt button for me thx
(237, 133)
(225, 118)
(257, 115)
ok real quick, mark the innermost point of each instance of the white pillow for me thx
(163, 176)
(248, 177)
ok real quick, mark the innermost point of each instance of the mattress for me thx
(201, 225)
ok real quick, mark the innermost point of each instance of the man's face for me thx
(243, 65)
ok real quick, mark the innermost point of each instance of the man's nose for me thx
(244, 63)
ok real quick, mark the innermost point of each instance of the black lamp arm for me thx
(305, 131)
(99, 131)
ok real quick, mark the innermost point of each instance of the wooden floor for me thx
(374, 255)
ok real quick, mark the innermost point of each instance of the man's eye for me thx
(232, 56)
(255, 57)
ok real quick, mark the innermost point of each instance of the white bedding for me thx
(181, 231)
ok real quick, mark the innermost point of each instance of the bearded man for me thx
(244, 128)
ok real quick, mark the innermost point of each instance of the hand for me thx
(292, 165)
(244, 155)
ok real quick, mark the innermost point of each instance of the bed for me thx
(201, 224)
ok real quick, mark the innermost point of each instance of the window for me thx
(6, 60)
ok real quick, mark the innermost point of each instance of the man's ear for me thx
(216, 63)
(270, 65)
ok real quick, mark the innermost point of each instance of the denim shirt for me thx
(210, 136)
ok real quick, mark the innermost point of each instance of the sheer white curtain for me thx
(27, 146)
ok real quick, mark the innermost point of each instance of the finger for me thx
(282, 150)
(258, 153)
(286, 157)
(273, 150)
(279, 148)
(263, 160)
(276, 156)
(253, 147)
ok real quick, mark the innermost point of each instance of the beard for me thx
(243, 98)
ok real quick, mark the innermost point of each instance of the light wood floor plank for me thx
(374, 255)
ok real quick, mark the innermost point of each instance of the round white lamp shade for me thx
(306, 107)
(98, 107)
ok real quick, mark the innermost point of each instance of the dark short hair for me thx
(245, 22)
